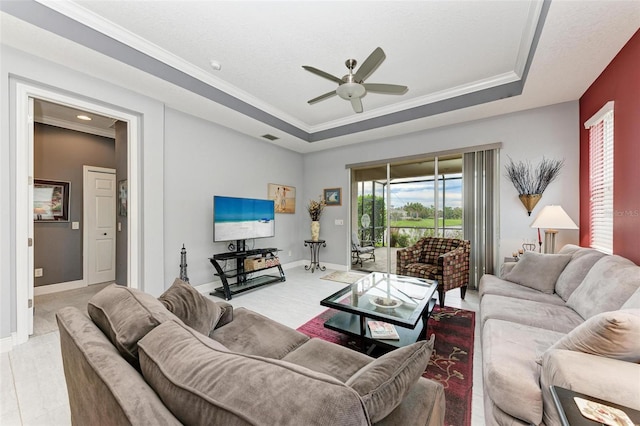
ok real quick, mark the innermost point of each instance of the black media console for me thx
(247, 262)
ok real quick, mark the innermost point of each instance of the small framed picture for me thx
(50, 200)
(122, 198)
(333, 196)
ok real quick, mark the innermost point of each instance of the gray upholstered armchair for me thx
(442, 259)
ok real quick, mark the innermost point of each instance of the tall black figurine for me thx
(183, 265)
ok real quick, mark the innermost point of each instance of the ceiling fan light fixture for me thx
(350, 90)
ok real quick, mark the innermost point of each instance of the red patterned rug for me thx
(451, 361)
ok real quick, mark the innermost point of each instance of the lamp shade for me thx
(553, 217)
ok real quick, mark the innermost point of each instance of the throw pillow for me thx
(201, 382)
(607, 286)
(582, 260)
(538, 271)
(610, 334)
(383, 383)
(125, 316)
(194, 309)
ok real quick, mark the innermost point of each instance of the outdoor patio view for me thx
(412, 214)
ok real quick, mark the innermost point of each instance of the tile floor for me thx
(32, 387)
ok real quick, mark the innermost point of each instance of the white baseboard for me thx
(54, 288)
(7, 343)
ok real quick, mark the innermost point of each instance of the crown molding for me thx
(65, 124)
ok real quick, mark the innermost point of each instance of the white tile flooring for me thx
(33, 390)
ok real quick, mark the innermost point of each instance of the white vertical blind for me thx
(601, 178)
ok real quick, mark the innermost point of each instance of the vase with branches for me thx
(315, 209)
(530, 181)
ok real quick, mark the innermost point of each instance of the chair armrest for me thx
(604, 378)
(453, 268)
(227, 314)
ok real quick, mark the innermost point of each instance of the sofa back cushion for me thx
(383, 383)
(125, 316)
(194, 309)
(538, 271)
(632, 302)
(434, 247)
(582, 260)
(201, 382)
(607, 286)
(613, 334)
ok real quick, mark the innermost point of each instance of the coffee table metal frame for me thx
(411, 317)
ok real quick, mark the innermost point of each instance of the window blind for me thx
(601, 179)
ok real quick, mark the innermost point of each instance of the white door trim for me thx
(85, 217)
(23, 210)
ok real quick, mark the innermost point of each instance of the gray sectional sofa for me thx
(570, 319)
(184, 359)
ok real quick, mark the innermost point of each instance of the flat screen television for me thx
(242, 218)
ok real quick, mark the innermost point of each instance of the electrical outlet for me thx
(339, 222)
(289, 253)
(38, 272)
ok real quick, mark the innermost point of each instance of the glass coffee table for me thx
(405, 302)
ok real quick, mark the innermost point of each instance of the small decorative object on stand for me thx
(315, 209)
(183, 265)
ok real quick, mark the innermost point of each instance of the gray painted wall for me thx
(527, 135)
(122, 249)
(203, 160)
(59, 154)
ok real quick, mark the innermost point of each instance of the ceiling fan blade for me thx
(322, 97)
(370, 64)
(385, 88)
(356, 103)
(321, 73)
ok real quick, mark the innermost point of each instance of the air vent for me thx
(270, 137)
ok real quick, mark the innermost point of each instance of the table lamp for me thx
(552, 218)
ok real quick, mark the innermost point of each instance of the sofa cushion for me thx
(510, 371)
(328, 358)
(582, 260)
(538, 271)
(535, 314)
(125, 316)
(632, 302)
(194, 309)
(254, 334)
(609, 283)
(490, 284)
(383, 383)
(610, 334)
(203, 383)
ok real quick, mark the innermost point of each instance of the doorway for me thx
(23, 210)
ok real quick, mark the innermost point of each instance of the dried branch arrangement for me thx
(529, 181)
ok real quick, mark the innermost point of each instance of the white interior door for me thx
(29, 155)
(100, 224)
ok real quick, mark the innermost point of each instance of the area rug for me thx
(451, 361)
(343, 277)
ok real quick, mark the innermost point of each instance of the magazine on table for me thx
(383, 331)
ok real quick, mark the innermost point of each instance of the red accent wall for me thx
(619, 82)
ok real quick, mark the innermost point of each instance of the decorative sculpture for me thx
(183, 265)
(531, 183)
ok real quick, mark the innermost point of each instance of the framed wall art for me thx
(122, 198)
(50, 200)
(284, 197)
(333, 196)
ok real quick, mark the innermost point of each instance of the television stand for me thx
(259, 260)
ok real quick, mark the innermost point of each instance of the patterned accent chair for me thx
(442, 259)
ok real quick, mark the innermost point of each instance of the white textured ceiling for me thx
(439, 49)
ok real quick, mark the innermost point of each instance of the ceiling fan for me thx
(352, 87)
